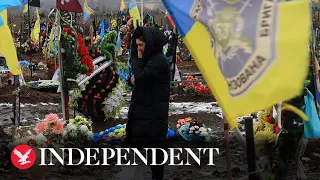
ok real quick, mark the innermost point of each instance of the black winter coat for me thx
(147, 124)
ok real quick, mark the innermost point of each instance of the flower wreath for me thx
(70, 63)
(117, 134)
(101, 97)
(86, 66)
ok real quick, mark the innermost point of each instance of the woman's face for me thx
(141, 45)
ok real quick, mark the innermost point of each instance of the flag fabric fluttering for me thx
(69, 5)
(25, 6)
(34, 3)
(36, 29)
(7, 47)
(252, 55)
(102, 30)
(118, 45)
(87, 11)
(134, 13)
(122, 6)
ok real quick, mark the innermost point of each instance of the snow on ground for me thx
(175, 108)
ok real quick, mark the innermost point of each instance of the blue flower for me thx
(171, 133)
(96, 137)
(105, 133)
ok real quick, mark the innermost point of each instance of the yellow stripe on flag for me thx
(7, 48)
(134, 13)
(25, 9)
(36, 29)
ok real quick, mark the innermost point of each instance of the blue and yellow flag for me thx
(25, 6)
(7, 47)
(102, 30)
(87, 11)
(118, 45)
(36, 29)
(134, 13)
(252, 54)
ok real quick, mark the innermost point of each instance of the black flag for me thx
(34, 3)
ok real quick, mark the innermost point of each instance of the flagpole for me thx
(29, 33)
(141, 4)
(63, 95)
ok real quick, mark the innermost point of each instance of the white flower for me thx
(89, 135)
(73, 134)
(71, 127)
(64, 134)
(84, 128)
(204, 133)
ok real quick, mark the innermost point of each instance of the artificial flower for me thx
(58, 127)
(41, 127)
(52, 118)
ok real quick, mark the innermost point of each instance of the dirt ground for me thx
(238, 158)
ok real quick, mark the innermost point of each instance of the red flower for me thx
(270, 119)
(68, 31)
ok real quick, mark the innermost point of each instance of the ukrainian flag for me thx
(87, 11)
(36, 29)
(253, 53)
(7, 48)
(25, 6)
(134, 13)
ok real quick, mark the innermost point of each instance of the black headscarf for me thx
(155, 41)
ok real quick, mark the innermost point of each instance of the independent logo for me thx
(23, 157)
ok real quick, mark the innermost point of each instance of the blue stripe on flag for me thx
(132, 4)
(180, 12)
(9, 3)
(24, 2)
(85, 16)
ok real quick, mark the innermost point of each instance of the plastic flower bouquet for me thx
(124, 74)
(266, 132)
(51, 127)
(196, 88)
(182, 122)
(78, 131)
(192, 130)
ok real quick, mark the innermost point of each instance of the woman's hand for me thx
(132, 79)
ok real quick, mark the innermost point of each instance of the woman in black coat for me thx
(147, 124)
